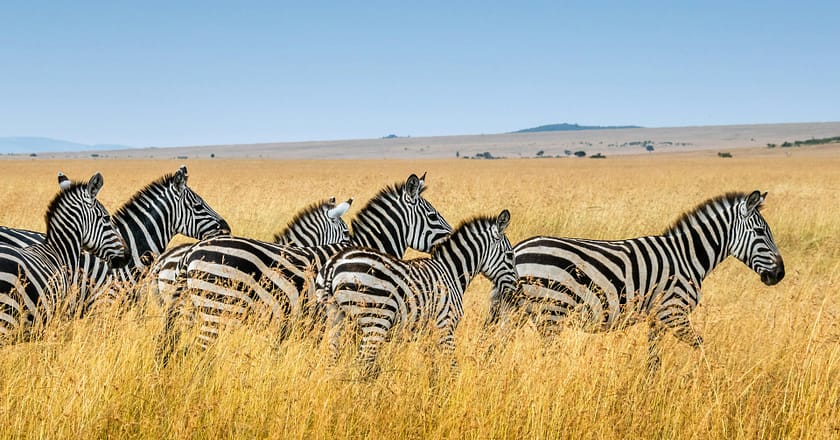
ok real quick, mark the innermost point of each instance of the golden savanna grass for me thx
(770, 366)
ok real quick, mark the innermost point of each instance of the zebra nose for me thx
(773, 276)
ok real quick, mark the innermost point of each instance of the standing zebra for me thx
(379, 291)
(34, 281)
(318, 224)
(148, 221)
(614, 284)
(226, 277)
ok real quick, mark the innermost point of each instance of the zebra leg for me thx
(170, 335)
(447, 344)
(654, 346)
(679, 323)
(372, 338)
(335, 326)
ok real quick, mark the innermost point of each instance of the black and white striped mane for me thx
(463, 226)
(305, 212)
(390, 192)
(729, 199)
(162, 183)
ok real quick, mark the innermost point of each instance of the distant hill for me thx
(33, 144)
(573, 127)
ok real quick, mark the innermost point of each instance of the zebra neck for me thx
(144, 231)
(64, 246)
(458, 257)
(702, 240)
(379, 226)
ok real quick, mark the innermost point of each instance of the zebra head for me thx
(752, 242)
(76, 206)
(426, 227)
(499, 265)
(194, 217)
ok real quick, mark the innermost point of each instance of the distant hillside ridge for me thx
(573, 127)
(34, 144)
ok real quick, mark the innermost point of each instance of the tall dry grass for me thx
(770, 366)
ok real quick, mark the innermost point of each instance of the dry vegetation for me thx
(770, 366)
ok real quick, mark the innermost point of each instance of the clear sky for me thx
(206, 72)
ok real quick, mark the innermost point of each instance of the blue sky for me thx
(189, 73)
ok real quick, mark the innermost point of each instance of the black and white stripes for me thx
(612, 284)
(229, 278)
(378, 291)
(34, 281)
(148, 221)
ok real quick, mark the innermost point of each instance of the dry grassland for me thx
(770, 366)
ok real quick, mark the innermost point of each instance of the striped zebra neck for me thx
(380, 224)
(63, 241)
(702, 236)
(465, 250)
(143, 222)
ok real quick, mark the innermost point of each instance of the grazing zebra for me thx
(226, 276)
(378, 291)
(34, 281)
(614, 284)
(148, 221)
(316, 225)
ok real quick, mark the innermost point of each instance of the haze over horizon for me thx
(161, 74)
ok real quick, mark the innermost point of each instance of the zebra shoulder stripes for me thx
(613, 284)
(378, 291)
(226, 277)
(34, 281)
(148, 221)
(318, 224)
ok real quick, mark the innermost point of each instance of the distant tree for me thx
(787, 144)
(212, 155)
(540, 153)
(649, 147)
(771, 145)
(598, 156)
(724, 154)
(567, 152)
(457, 154)
(580, 153)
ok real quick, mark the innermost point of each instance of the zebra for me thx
(35, 280)
(614, 284)
(378, 292)
(318, 224)
(226, 276)
(148, 221)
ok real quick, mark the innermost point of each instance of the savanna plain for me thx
(769, 367)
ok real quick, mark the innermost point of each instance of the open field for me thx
(701, 140)
(770, 366)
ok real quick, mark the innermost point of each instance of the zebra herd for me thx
(321, 273)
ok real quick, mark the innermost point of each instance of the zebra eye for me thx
(759, 231)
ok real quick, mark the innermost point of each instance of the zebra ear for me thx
(63, 181)
(179, 180)
(503, 221)
(183, 169)
(753, 203)
(331, 201)
(339, 210)
(411, 190)
(95, 185)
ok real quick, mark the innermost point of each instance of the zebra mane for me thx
(162, 181)
(462, 226)
(384, 193)
(305, 212)
(728, 199)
